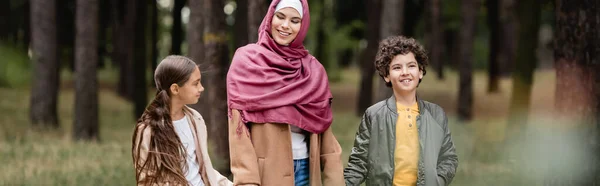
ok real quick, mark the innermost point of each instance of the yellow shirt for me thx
(406, 154)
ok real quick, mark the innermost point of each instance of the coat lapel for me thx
(194, 127)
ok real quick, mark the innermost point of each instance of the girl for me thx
(169, 143)
(280, 107)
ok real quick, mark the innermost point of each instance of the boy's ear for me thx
(386, 79)
(174, 89)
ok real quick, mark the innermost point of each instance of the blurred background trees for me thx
(83, 50)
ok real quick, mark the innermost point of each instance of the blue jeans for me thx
(301, 172)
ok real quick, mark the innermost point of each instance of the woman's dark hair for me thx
(399, 45)
(166, 153)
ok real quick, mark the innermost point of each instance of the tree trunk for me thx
(25, 36)
(103, 25)
(508, 38)
(451, 47)
(392, 18)
(176, 30)
(44, 91)
(577, 64)
(321, 52)
(196, 52)
(529, 13)
(216, 56)
(154, 39)
(391, 25)
(412, 14)
(256, 11)
(241, 23)
(66, 33)
(435, 40)
(367, 68)
(493, 22)
(85, 126)
(124, 18)
(469, 9)
(140, 90)
(6, 28)
(195, 32)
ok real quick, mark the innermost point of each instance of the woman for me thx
(280, 107)
(169, 143)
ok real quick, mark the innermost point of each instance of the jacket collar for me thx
(391, 104)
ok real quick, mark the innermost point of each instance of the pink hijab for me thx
(271, 83)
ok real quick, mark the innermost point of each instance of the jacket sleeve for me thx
(356, 172)
(447, 160)
(244, 163)
(141, 146)
(331, 160)
(221, 180)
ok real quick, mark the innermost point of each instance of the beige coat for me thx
(209, 175)
(263, 155)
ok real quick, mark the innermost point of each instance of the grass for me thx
(30, 157)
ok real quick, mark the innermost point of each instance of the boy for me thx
(402, 140)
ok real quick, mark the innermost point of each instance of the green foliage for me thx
(15, 68)
(337, 38)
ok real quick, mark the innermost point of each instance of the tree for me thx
(140, 86)
(216, 56)
(44, 91)
(391, 24)
(123, 24)
(529, 13)
(577, 64)
(241, 23)
(469, 9)
(176, 30)
(15, 19)
(85, 126)
(434, 37)
(508, 40)
(367, 68)
(321, 48)
(65, 27)
(5, 22)
(466, 37)
(256, 11)
(348, 14)
(196, 52)
(153, 39)
(493, 22)
(413, 9)
(24, 24)
(104, 12)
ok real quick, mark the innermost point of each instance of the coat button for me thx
(409, 125)
(408, 116)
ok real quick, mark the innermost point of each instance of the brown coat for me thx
(210, 176)
(263, 155)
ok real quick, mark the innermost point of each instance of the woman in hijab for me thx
(280, 107)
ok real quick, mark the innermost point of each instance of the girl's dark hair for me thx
(166, 153)
(399, 45)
